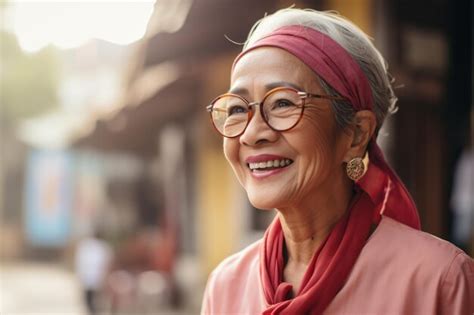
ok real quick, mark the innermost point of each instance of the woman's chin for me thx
(262, 203)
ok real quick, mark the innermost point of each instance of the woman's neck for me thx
(305, 231)
(306, 226)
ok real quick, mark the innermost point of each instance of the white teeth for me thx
(268, 164)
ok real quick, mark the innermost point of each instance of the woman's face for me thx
(312, 152)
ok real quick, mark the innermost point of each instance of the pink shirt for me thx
(399, 271)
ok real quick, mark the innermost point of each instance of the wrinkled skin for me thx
(312, 193)
(316, 145)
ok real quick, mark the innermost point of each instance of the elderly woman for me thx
(308, 95)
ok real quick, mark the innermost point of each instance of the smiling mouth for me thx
(269, 165)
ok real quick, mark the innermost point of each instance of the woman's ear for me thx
(362, 131)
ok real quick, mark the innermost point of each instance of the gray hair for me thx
(354, 41)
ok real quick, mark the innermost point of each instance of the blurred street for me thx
(39, 288)
(32, 288)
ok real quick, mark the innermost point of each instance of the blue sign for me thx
(49, 198)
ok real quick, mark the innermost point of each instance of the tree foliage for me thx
(28, 82)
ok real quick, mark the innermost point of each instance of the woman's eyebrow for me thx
(268, 87)
(239, 91)
(273, 85)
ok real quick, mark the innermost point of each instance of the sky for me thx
(68, 24)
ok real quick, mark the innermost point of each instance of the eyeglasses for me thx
(281, 109)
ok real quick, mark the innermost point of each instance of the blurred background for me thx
(115, 197)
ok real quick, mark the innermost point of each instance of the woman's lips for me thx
(261, 174)
(264, 165)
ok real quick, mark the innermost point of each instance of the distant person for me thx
(93, 257)
(462, 199)
(308, 95)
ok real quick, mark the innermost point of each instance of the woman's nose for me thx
(257, 130)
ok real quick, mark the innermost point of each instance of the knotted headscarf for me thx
(379, 191)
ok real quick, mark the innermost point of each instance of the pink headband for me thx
(326, 57)
(337, 67)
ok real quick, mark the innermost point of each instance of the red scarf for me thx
(379, 192)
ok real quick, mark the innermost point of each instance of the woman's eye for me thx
(282, 104)
(237, 109)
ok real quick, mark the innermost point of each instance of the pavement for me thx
(32, 288)
(39, 289)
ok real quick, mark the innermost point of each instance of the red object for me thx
(379, 191)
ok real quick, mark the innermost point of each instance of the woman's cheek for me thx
(231, 153)
(321, 148)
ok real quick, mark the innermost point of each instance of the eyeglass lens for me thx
(281, 110)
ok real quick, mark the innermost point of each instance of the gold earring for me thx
(357, 167)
